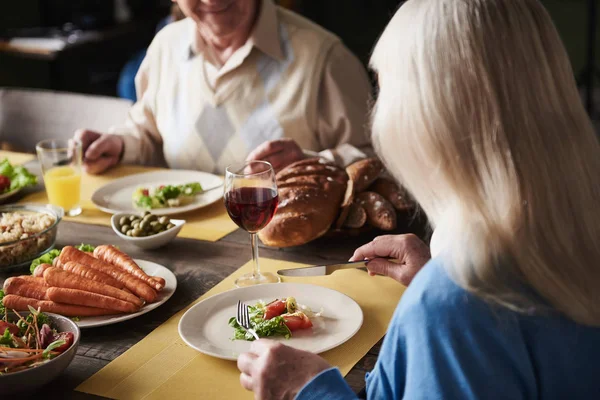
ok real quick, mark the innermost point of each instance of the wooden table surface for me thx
(198, 266)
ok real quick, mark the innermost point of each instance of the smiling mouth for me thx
(215, 10)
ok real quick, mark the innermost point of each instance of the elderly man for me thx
(235, 80)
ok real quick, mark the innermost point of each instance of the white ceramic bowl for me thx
(148, 242)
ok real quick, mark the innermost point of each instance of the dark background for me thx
(101, 47)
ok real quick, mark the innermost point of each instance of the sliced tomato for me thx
(4, 183)
(274, 309)
(297, 321)
(68, 338)
(12, 328)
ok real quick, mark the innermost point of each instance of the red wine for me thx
(251, 208)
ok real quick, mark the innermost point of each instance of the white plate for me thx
(7, 195)
(205, 327)
(151, 269)
(116, 196)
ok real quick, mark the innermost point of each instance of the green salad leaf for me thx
(6, 339)
(88, 248)
(2, 308)
(47, 258)
(42, 319)
(264, 328)
(167, 192)
(56, 344)
(19, 176)
(191, 189)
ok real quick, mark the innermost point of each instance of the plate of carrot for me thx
(96, 286)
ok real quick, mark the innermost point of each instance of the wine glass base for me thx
(251, 279)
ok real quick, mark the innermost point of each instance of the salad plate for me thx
(121, 195)
(151, 269)
(205, 326)
(13, 179)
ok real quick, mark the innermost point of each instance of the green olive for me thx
(145, 213)
(123, 221)
(132, 218)
(137, 232)
(145, 225)
(163, 220)
(129, 232)
(158, 228)
(150, 218)
(125, 228)
(170, 225)
(135, 224)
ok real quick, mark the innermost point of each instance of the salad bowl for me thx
(31, 379)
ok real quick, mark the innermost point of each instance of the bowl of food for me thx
(26, 232)
(35, 348)
(146, 231)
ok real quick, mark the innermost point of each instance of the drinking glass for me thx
(251, 201)
(61, 166)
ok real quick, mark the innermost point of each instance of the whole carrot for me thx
(116, 257)
(57, 277)
(25, 288)
(20, 303)
(132, 283)
(90, 273)
(82, 298)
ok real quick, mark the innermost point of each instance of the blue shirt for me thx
(445, 343)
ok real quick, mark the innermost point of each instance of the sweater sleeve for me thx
(343, 108)
(445, 343)
(329, 384)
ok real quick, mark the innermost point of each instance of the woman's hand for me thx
(100, 151)
(280, 153)
(409, 250)
(275, 371)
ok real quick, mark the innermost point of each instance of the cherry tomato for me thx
(68, 338)
(12, 328)
(274, 309)
(4, 183)
(145, 192)
(296, 322)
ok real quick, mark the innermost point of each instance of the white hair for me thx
(479, 116)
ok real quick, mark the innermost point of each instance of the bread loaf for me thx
(380, 213)
(310, 195)
(392, 193)
(364, 172)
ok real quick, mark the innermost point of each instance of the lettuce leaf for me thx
(47, 258)
(6, 339)
(264, 328)
(2, 308)
(19, 176)
(88, 248)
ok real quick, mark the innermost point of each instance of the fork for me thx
(243, 318)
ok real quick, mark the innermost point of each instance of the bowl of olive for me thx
(146, 231)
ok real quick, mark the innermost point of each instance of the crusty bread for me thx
(380, 213)
(364, 172)
(310, 195)
(393, 193)
(357, 216)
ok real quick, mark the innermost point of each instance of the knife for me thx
(321, 270)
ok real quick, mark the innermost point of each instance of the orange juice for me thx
(63, 185)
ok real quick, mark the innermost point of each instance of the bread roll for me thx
(357, 216)
(393, 193)
(310, 195)
(364, 172)
(380, 213)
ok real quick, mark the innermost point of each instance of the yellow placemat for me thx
(161, 366)
(16, 158)
(210, 223)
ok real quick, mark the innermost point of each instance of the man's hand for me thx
(409, 250)
(274, 371)
(100, 151)
(280, 153)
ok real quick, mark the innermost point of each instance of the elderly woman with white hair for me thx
(479, 117)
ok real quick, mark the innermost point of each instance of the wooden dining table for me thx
(198, 266)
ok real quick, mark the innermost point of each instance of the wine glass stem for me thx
(256, 270)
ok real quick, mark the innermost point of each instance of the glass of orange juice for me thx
(61, 165)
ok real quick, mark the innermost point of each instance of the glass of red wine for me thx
(251, 201)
